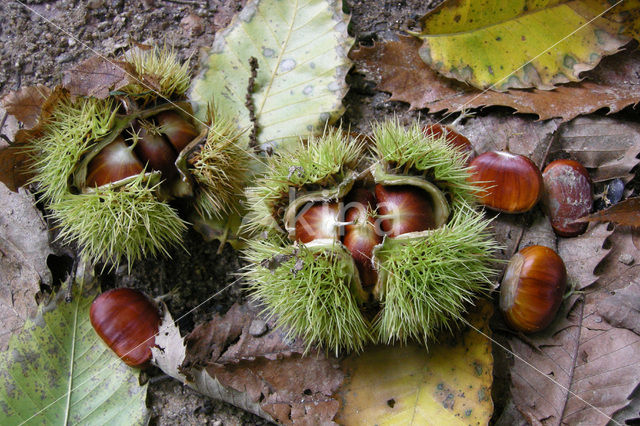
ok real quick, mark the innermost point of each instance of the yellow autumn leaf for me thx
(523, 43)
(449, 384)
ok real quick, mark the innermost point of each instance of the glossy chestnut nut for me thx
(317, 221)
(568, 195)
(177, 130)
(512, 183)
(532, 288)
(360, 234)
(113, 163)
(454, 138)
(154, 151)
(403, 209)
(127, 320)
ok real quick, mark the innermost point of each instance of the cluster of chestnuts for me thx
(152, 144)
(535, 279)
(109, 169)
(373, 237)
(357, 243)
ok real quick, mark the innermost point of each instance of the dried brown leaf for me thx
(607, 367)
(24, 247)
(259, 363)
(622, 309)
(15, 167)
(97, 76)
(397, 68)
(26, 104)
(608, 147)
(625, 213)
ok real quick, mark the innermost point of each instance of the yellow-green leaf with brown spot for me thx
(449, 384)
(501, 44)
(301, 51)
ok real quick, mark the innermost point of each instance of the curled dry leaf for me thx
(97, 76)
(625, 213)
(26, 104)
(15, 159)
(397, 68)
(264, 373)
(242, 359)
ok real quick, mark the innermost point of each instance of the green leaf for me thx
(519, 43)
(301, 48)
(57, 371)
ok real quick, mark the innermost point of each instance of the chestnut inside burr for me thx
(361, 220)
(152, 145)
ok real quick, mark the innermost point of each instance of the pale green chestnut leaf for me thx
(58, 371)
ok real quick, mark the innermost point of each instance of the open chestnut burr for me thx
(374, 238)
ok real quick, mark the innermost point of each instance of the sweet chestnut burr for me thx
(411, 252)
(127, 320)
(532, 289)
(568, 195)
(511, 183)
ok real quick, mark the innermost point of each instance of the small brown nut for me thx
(568, 195)
(532, 289)
(512, 183)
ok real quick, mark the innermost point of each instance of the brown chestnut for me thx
(512, 183)
(532, 288)
(113, 163)
(568, 195)
(154, 151)
(127, 320)
(317, 221)
(458, 141)
(177, 130)
(360, 233)
(403, 209)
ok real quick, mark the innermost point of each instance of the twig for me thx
(72, 278)
(253, 137)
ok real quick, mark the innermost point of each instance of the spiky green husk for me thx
(220, 168)
(111, 224)
(427, 279)
(73, 128)
(308, 291)
(407, 150)
(430, 281)
(322, 161)
(161, 65)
